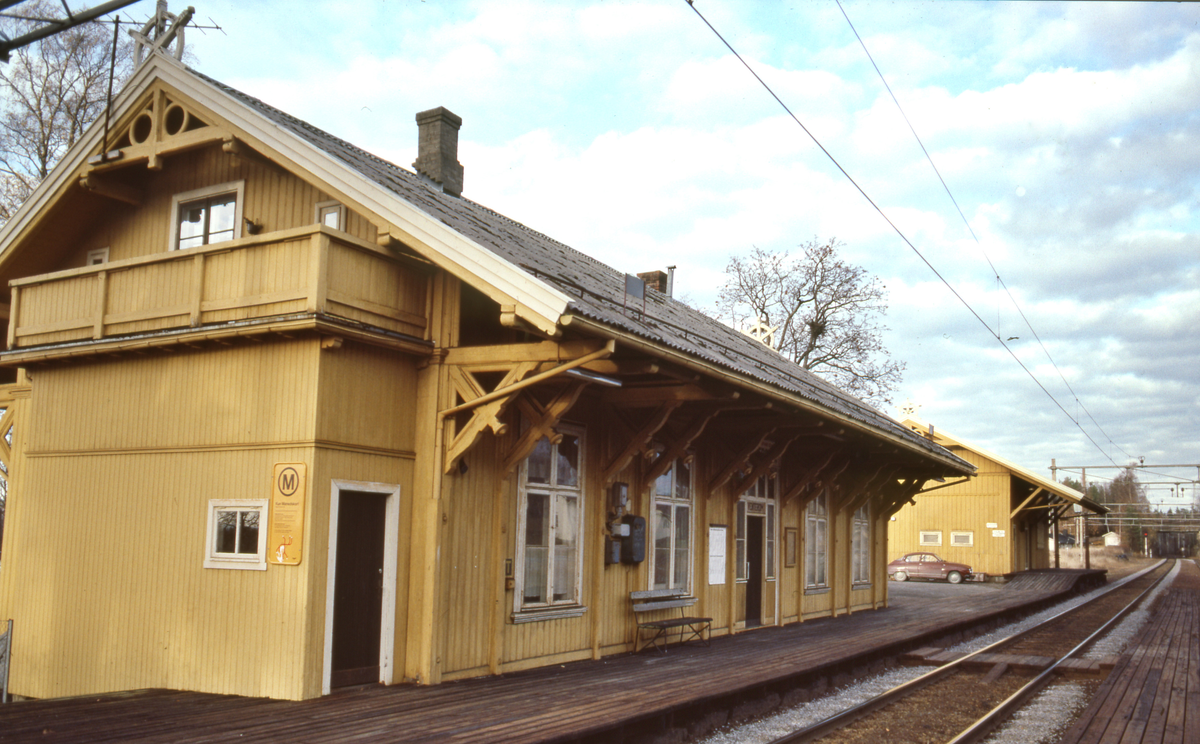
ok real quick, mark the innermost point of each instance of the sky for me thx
(1068, 134)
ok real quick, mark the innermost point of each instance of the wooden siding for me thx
(120, 460)
(274, 198)
(968, 506)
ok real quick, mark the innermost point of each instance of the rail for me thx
(983, 726)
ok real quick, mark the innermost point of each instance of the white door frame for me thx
(391, 529)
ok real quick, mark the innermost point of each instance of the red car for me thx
(927, 566)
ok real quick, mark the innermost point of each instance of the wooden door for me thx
(358, 589)
(754, 573)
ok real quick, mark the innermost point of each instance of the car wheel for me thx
(954, 577)
(900, 576)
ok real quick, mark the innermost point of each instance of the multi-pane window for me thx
(207, 220)
(208, 215)
(816, 543)
(860, 546)
(757, 502)
(673, 527)
(551, 519)
(237, 534)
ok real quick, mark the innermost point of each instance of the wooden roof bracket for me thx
(802, 485)
(739, 460)
(947, 484)
(106, 188)
(1024, 503)
(678, 447)
(639, 440)
(491, 405)
(542, 423)
(764, 463)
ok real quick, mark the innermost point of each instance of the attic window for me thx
(331, 214)
(208, 215)
(98, 256)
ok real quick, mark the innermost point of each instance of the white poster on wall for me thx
(716, 554)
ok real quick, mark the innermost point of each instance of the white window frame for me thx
(969, 534)
(97, 256)
(860, 546)
(256, 561)
(931, 538)
(568, 606)
(230, 187)
(816, 522)
(331, 207)
(672, 500)
(387, 619)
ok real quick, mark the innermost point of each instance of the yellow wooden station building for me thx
(282, 416)
(998, 521)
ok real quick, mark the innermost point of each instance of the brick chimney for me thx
(437, 149)
(663, 281)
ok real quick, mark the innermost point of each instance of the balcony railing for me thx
(303, 270)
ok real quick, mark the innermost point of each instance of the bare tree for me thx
(817, 310)
(50, 92)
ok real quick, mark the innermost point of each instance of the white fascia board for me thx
(538, 303)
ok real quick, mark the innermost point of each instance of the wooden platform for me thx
(1152, 695)
(608, 700)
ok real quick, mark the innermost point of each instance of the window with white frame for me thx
(204, 216)
(931, 537)
(672, 556)
(97, 257)
(816, 543)
(550, 525)
(860, 546)
(962, 538)
(757, 502)
(237, 534)
(331, 214)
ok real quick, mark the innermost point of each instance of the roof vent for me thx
(437, 149)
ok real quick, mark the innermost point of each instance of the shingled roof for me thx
(596, 291)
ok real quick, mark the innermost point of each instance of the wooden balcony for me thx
(303, 274)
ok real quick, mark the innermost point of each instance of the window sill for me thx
(548, 613)
(860, 585)
(816, 590)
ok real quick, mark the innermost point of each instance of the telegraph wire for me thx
(832, 159)
(971, 230)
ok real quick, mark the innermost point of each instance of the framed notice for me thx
(289, 488)
(789, 547)
(716, 554)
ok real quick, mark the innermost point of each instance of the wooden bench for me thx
(690, 628)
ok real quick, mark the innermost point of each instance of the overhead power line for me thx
(896, 229)
(982, 251)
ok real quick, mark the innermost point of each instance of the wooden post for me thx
(1056, 561)
(14, 310)
(422, 662)
(197, 290)
(101, 303)
(318, 276)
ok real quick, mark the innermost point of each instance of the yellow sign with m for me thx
(289, 484)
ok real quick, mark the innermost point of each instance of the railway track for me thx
(960, 704)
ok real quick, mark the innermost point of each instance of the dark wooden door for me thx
(358, 589)
(754, 574)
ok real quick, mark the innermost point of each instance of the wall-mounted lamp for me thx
(252, 227)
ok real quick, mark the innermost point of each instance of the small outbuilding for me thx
(999, 520)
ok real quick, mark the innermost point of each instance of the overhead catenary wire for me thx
(1000, 281)
(896, 229)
